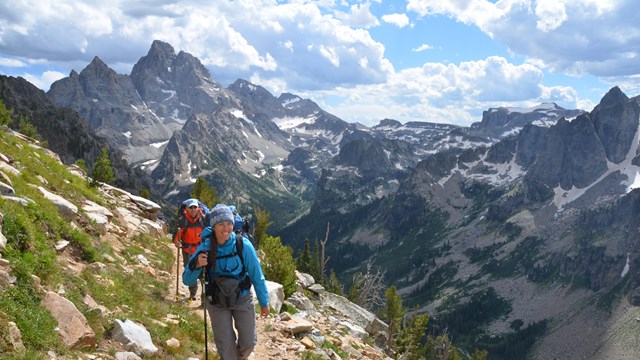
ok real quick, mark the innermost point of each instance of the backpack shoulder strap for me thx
(239, 248)
(201, 218)
(245, 280)
(211, 257)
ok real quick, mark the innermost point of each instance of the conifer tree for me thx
(303, 260)
(478, 354)
(394, 314)
(5, 115)
(262, 223)
(316, 268)
(102, 170)
(413, 335)
(27, 128)
(333, 284)
(145, 193)
(205, 193)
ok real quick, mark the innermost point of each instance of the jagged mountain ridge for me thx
(542, 225)
(282, 143)
(113, 108)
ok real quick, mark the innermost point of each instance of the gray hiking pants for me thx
(243, 317)
(192, 289)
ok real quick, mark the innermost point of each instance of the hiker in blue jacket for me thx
(229, 278)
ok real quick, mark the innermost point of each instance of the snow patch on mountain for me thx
(290, 122)
(159, 144)
(540, 108)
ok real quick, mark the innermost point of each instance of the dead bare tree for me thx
(323, 261)
(368, 289)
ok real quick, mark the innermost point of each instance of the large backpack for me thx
(241, 226)
(246, 231)
(217, 293)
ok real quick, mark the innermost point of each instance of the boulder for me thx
(73, 327)
(134, 336)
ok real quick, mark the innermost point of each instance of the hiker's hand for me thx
(202, 260)
(264, 311)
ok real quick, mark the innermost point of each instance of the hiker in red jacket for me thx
(190, 225)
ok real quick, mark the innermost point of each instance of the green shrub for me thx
(278, 264)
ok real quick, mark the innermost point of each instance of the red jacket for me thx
(189, 233)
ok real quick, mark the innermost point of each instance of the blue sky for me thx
(414, 60)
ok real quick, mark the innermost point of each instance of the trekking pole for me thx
(203, 299)
(177, 270)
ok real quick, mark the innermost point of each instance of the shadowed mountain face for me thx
(65, 132)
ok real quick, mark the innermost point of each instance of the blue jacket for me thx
(231, 266)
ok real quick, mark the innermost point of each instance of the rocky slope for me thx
(105, 271)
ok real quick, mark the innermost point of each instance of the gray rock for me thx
(134, 336)
(65, 207)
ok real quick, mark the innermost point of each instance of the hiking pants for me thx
(185, 260)
(223, 320)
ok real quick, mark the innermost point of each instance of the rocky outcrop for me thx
(136, 214)
(615, 120)
(321, 317)
(572, 154)
(73, 326)
(500, 122)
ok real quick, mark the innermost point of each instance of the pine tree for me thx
(478, 354)
(27, 128)
(262, 223)
(82, 165)
(5, 115)
(413, 335)
(145, 193)
(316, 269)
(394, 314)
(205, 193)
(303, 260)
(333, 284)
(102, 170)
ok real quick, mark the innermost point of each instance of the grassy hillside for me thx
(106, 267)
